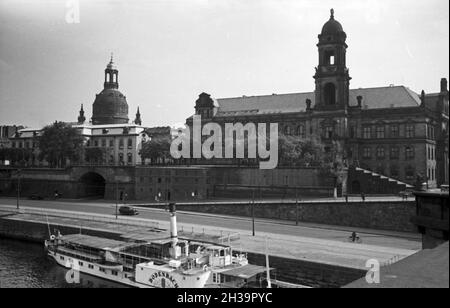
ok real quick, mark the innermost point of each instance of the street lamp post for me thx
(117, 199)
(18, 187)
(296, 207)
(253, 212)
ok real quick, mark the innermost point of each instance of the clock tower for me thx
(332, 76)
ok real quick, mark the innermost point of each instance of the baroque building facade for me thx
(109, 130)
(390, 132)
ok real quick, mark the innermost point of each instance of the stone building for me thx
(109, 129)
(391, 132)
(7, 132)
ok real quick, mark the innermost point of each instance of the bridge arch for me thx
(91, 185)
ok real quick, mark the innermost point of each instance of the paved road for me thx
(241, 224)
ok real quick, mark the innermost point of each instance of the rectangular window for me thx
(367, 133)
(409, 153)
(380, 153)
(380, 132)
(121, 144)
(394, 131)
(367, 153)
(130, 143)
(394, 171)
(111, 143)
(329, 132)
(80, 263)
(395, 153)
(91, 266)
(104, 143)
(96, 143)
(130, 158)
(409, 173)
(409, 131)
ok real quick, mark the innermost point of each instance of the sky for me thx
(170, 51)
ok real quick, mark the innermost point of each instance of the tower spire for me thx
(111, 75)
(138, 120)
(332, 13)
(81, 117)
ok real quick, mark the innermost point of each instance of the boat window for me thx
(80, 263)
(61, 257)
(222, 253)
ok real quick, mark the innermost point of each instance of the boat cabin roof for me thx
(94, 242)
(245, 272)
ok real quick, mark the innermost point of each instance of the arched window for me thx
(330, 94)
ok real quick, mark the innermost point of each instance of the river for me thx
(25, 265)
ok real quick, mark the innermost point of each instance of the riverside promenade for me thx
(317, 261)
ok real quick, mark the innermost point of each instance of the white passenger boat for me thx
(169, 262)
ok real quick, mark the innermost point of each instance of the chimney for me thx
(444, 85)
(359, 98)
(422, 98)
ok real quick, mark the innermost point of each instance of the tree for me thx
(58, 143)
(16, 155)
(296, 151)
(95, 155)
(158, 148)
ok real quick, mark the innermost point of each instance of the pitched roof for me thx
(373, 98)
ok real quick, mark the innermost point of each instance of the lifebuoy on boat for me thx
(52, 237)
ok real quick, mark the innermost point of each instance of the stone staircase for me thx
(369, 182)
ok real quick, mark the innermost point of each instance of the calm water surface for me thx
(25, 265)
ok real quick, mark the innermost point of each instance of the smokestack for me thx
(443, 85)
(173, 224)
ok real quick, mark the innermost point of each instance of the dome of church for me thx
(110, 107)
(332, 26)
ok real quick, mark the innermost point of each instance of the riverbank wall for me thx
(291, 270)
